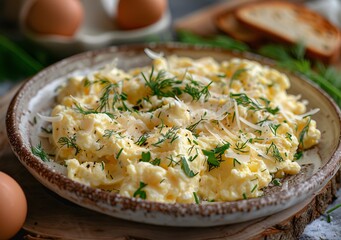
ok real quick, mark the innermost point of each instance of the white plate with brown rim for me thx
(38, 95)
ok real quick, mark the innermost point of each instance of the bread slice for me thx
(293, 23)
(227, 23)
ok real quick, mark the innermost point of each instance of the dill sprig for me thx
(40, 152)
(193, 126)
(104, 103)
(111, 93)
(241, 146)
(303, 133)
(184, 166)
(142, 140)
(146, 157)
(214, 156)
(86, 111)
(161, 85)
(196, 198)
(69, 142)
(139, 192)
(237, 75)
(196, 91)
(273, 150)
(246, 101)
(108, 133)
(171, 135)
(274, 128)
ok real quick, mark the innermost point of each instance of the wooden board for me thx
(50, 216)
(202, 22)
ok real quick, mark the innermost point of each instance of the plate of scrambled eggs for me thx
(176, 135)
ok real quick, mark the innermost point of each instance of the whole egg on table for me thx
(181, 130)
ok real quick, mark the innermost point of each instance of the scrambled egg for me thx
(182, 130)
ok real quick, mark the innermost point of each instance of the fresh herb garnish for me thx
(303, 133)
(298, 155)
(194, 125)
(237, 74)
(69, 142)
(48, 131)
(254, 188)
(39, 152)
(195, 92)
(84, 111)
(273, 150)
(241, 146)
(214, 156)
(119, 153)
(171, 135)
(276, 182)
(161, 85)
(108, 133)
(267, 107)
(288, 136)
(145, 156)
(139, 192)
(274, 127)
(246, 101)
(235, 160)
(142, 139)
(184, 166)
(196, 199)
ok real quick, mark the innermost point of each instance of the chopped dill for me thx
(196, 198)
(139, 192)
(69, 142)
(184, 166)
(273, 149)
(171, 135)
(39, 152)
(214, 156)
(142, 139)
(194, 125)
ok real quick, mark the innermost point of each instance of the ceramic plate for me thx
(37, 95)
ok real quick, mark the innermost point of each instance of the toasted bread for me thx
(228, 24)
(292, 23)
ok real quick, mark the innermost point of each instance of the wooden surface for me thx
(202, 22)
(50, 216)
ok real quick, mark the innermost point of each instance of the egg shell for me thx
(55, 17)
(13, 206)
(133, 14)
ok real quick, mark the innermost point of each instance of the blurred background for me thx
(33, 34)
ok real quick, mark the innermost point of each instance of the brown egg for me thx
(13, 206)
(56, 17)
(133, 14)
